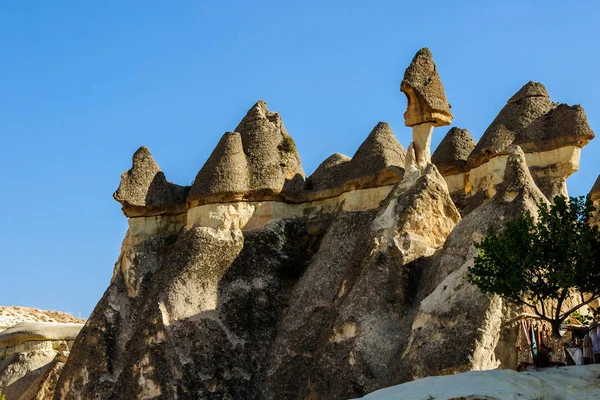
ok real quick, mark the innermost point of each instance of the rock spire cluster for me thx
(259, 283)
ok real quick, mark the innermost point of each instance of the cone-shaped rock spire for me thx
(425, 93)
(378, 161)
(451, 154)
(224, 175)
(144, 190)
(258, 161)
(528, 104)
(380, 150)
(330, 173)
(531, 89)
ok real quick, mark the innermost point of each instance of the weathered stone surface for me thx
(12, 315)
(39, 331)
(44, 386)
(425, 93)
(273, 287)
(550, 134)
(377, 162)
(215, 306)
(451, 154)
(528, 104)
(29, 350)
(144, 190)
(456, 327)
(330, 174)
(258, 161)
(531, 89)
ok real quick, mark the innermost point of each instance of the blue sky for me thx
(84, 84)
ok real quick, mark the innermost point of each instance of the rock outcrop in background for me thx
(34, 345)
(259, 283)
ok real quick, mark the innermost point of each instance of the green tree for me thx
(544, 261)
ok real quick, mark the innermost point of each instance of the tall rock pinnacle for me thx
(425, 93)
(427, 103)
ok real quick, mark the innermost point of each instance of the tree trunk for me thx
(556, 329)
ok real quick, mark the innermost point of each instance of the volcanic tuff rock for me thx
(529, 103)
(32, 353)
(12, 315)
(456, 313)
(270, 286)
(451, 154)
(550, 134)
(257, 161)
(145, 191)
(425, 92)
(377, 162)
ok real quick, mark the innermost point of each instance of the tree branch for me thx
(577, 307)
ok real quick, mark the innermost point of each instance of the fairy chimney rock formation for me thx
(427, 103)
(550, 134)
(451, 154)
(145, 191)
(258, 161)
(259, 283)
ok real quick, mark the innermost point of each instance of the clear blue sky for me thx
(83, 85)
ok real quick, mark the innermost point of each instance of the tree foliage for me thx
(543, 263)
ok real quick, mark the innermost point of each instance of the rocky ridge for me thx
(34, 345)
(259, 283)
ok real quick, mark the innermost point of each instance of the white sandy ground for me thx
(575, 382)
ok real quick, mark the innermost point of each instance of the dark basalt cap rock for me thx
(595, 192)
(145, 191)
(425, 93)
(519, 112)
(258, 161)
(377, 162)
(451, 155)
(562, 126)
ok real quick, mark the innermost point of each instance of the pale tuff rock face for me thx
(32, 353)
(144, 190)
(423, 88)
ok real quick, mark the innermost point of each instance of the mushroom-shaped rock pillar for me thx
(427, 104)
